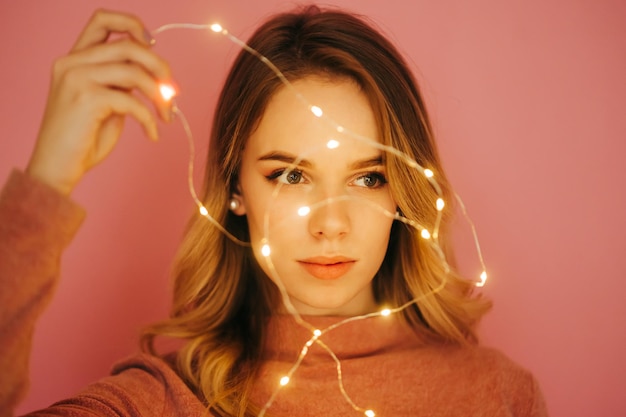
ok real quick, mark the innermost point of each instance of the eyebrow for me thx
(286, 158)
(291, 159)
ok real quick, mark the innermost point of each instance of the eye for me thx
(286, 177)
(371, 180)
(291, 177)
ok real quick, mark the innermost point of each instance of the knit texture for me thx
(387, 369)
(36, 224)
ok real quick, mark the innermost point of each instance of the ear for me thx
(236, 203)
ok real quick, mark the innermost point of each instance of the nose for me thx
(330, 219)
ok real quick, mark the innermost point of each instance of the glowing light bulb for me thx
(316, 111)
(317, 332)
(303, 211)
(332, 144)
(385, 312)
(425, 234)
(440, 204)
(483, 279)
(204, 211)
(167, 91)
(370, 413)
(428, 173)
(216, 27)
(284, 381)
(265, 250)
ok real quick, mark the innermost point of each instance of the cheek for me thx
(274, 210)
(380, 231)
(277, 223)
(372, 224)
(378, 208)
(282, 237)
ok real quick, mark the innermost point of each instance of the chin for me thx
(326, 307)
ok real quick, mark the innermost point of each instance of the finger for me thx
(86, 89)
(104, 22)
(126, 76)
(119, 51)
(117, 102)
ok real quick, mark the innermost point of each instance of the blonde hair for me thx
(222, 300)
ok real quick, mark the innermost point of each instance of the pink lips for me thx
(327, 268)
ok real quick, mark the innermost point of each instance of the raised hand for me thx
(92, 90)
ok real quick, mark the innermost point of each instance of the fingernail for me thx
(148, 37)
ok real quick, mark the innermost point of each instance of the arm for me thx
(36, 224)
(93, 89)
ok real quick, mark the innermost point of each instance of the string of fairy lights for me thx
(431, 236)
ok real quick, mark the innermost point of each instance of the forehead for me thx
(289, 124)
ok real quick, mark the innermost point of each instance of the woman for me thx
(262, 315)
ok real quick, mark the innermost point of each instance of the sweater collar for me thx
(346, 338)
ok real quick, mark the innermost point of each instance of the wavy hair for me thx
(217, 311)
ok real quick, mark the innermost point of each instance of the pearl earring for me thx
(233, 204)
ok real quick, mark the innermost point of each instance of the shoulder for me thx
(485, 365)
(485, 360)
(155, 378)
(142, 385)
(494, 375)
(148, 367)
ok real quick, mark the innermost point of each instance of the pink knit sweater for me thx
(384, 367)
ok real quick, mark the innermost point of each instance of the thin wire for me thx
(170, 26)
(265, 241)
(476, 241)
(190, 177)
(292, 370)
(340, 376)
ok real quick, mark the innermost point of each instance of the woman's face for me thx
(320, 209)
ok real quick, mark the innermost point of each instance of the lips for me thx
(327, 268)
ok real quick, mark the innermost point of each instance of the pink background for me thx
(528, 102)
